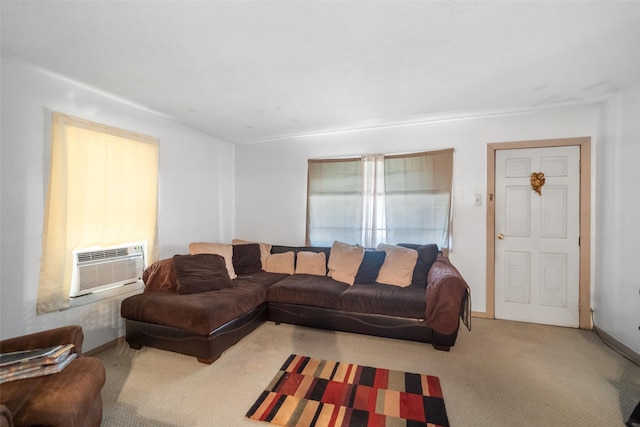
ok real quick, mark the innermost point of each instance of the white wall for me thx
(196, 191)
(617, 277)
(271, 177)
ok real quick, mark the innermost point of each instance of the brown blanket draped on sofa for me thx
(444, 293)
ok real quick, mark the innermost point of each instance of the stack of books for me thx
(34, 363)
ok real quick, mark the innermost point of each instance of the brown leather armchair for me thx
(69, 398)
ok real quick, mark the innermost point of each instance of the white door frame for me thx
(584, 305)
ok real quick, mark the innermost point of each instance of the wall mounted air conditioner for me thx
(105, 268)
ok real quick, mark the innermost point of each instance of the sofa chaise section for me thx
(201, 324)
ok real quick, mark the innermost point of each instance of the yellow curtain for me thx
(103, 191)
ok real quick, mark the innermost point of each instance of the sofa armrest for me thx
(448, 298)
(6, 419)
(64, 335)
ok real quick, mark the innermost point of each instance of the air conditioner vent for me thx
(97, 270)
(102, 254)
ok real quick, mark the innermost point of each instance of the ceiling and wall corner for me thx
(616, 296)
(249, 72)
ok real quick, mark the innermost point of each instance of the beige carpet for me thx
(499, 374)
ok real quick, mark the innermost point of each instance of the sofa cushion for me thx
(203, 312)
(304, 289)
(314, 263)
(344, 262)
(226, 251)
(397, 268)
(246, 259)
(265, 250)
(281, 263)
(160, 277)
(261, 279)
(427, 255)
(200, 273)
(278, 249)
(384, 299)
(370, 267)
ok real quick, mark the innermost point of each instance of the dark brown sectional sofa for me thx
(205, 324)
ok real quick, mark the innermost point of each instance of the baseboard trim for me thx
(103, 347)
(480, 315)
(618, 346)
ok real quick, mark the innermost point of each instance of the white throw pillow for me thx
(281, 263)
(311, 263)
(397, 268)
(344, 262)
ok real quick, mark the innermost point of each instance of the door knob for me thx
(500, 236)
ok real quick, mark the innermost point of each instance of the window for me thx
(103, 191)
(380, 199)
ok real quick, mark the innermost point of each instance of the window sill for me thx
(129, 288)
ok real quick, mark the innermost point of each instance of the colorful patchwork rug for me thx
(309, 392)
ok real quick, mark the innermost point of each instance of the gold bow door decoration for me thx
(537, 181)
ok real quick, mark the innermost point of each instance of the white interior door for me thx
(537, 236)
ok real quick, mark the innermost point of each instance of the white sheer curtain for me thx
(103, 191)
(373, 201)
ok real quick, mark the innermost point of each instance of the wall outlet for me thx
(477, 200)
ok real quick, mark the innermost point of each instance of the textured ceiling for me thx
(255, 71)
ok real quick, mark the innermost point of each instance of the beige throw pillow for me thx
(398, 265)
(265, 250)
(344, 262)
(222, 249)
(311, 263)
(280, 263)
